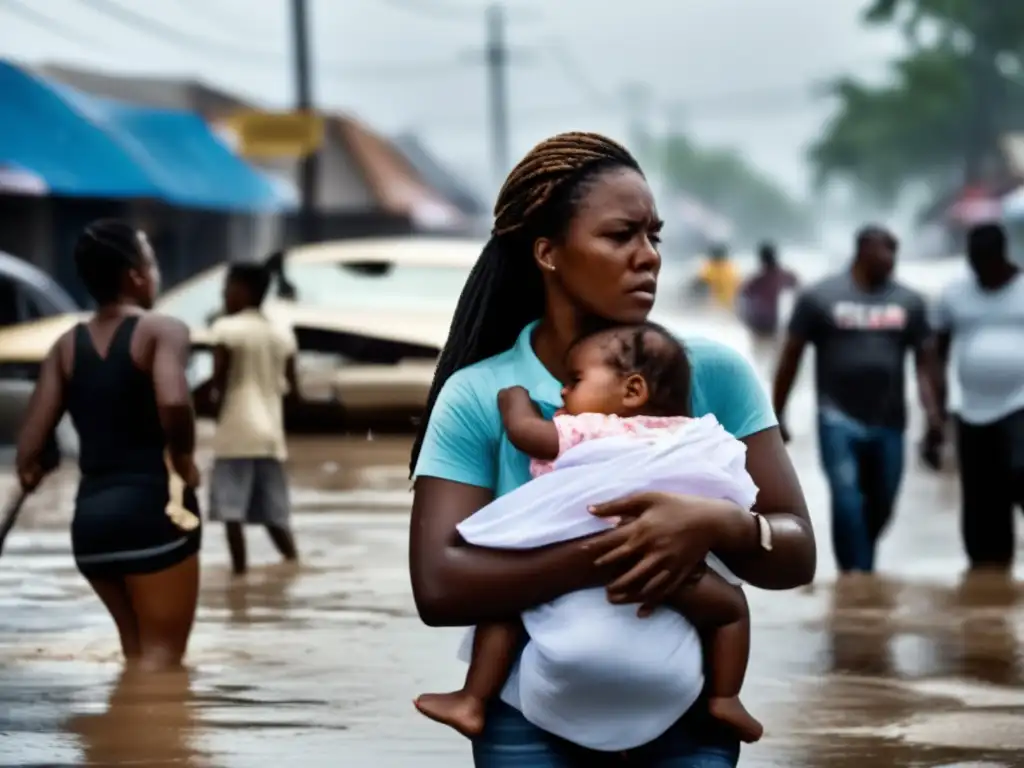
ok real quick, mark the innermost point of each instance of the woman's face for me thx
(608, 262)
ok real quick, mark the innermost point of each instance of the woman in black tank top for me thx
(121, 376)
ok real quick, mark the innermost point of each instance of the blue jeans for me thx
(510, 741)
(864, 467)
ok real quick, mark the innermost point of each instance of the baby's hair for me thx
(651, 351)
(104, 252)
(255, 278)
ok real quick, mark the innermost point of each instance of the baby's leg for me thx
(720, 613)
(494, 647)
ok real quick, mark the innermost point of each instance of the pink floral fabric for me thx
(574, 429)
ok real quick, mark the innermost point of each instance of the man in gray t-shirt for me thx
(980, 319)
(862, 324)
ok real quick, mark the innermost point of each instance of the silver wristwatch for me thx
(764, 531)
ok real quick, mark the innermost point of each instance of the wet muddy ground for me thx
(318, 664)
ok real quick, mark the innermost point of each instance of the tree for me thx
(950, 100)
(724, 181)
(994, 25)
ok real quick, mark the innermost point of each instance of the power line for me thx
(48, 23)
(210, 10)
(207, 46)
(210, 47)
(762, 101)
(164, 31)
(447, 11)
(436, 11)
(572, 69)
(739, 104)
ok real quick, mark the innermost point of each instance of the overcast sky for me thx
(734, 72)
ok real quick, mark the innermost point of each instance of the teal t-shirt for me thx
(466, 441)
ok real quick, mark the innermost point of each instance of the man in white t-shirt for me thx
(980, 320)
(254, 369)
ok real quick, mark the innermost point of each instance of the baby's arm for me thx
(711, 602)
(527, 430)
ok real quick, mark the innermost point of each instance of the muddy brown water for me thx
(318, 664)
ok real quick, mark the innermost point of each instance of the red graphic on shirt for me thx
(869, 317)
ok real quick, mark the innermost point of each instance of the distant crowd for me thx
(863, 324)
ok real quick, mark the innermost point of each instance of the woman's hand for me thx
(30, 476)
(667, 536)
(190, 474)
(184, 466)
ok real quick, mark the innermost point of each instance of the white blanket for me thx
(592, 672)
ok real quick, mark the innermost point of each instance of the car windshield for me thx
(336, 286)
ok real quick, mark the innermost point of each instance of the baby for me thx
(631, 381)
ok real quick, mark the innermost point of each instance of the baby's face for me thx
(594, 385)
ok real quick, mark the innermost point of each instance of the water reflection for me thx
(149, 720)
(983, 644)
(913, 672)
(860, 626)
(881, 628)
(262, 595)
(899, 661)
(357, 462)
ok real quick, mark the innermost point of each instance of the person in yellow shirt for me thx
(719, 276)
(254, 369)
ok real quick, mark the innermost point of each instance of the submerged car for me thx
(27, 294)
(370, 316)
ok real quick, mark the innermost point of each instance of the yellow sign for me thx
(267, 135)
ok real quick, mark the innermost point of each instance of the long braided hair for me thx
(504, 292)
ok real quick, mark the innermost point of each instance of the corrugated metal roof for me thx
(82, 145)
(360, 168)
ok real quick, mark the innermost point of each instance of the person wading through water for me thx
(759, 297)
(575, 237)
(121, 375)
(253, 372)
(862, 324)
(980, 322)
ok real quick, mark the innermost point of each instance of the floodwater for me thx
(318, 664)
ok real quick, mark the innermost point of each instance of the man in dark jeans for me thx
(982, 319)
(862, 324)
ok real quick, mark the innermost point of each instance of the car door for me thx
(15, 381)
(10, 309)
(33, 297)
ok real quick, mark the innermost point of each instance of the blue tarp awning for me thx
(86, 146)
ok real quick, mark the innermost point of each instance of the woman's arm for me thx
(926, 363)
(455, 584)
(45, 409)
(171, 349)
(792, 560)
(669, 534)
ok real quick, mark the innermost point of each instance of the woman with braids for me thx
(575, 238)
(121, 376)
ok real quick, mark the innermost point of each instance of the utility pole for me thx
(309, 164)
(497, 89)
